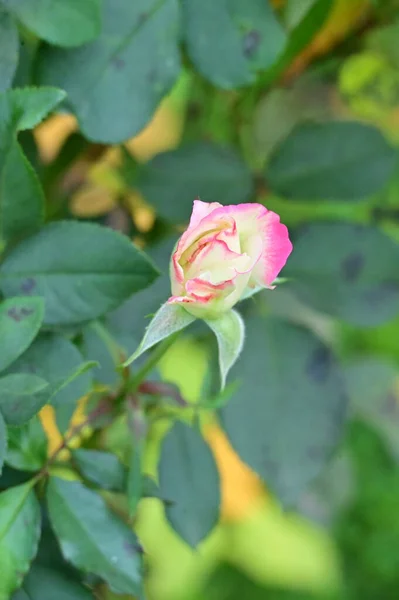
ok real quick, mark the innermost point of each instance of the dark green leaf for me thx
(230, 40)
(126, 323)
(112, 92)
(54, 358)
(102, 468)
(94, 539)
(331, 161)
(350, 271)
(70, 23)
(135, 478)
(3, 442)
(99, 345)
(22, 198)
(22, 395)
(42, 583)
(189, 478)
(25, 108)
(20, 320)
(288, 414)
(93, 271)
(172, 180)
(19, 535)
(9, 49)
(27, 446)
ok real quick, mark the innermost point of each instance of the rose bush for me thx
(226, 253)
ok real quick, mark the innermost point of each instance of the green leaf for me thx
(93, 271)
(61, 23)
(101, 468)
(98, 344)
(230, 331)
(20, 320)
(331, 161)
(358, 281)
(230, 41)
(300, 37)
(288, 414)
(27, 446)
(42, 583)
(169, 319)
(21, 397)
(135, 479)
(57, 360)
(21, 196)
(172, 180)
(25, 108)
(3, 442)
(189, 478)
(9, 49)
(112, 93)
(19, 535)
(94, 539)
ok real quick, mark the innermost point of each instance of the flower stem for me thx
(152, 361)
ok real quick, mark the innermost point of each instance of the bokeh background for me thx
(341, 540)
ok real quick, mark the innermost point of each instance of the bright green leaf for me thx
(113, 93)
(358, 281)
(288, 414)
(229, 329)
(331, 161)
(19, 535)
(101, 468)
(93, 538)
(189, 479)
(9, 49)
(60, 22)
(229, 41)
(42, 583)
(20, 320)
(172, 180)
(22, 395)
(25, 108)
(93, 271)
(169, 319)
(27, 446)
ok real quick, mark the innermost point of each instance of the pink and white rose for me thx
(225, 254)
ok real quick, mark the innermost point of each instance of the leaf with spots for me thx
(230, 41)
(287, 416)
(19, 535)
(348, 271)
(93, 538)
(114, 94)
(189, 480)
(20, 321)
(93, 271)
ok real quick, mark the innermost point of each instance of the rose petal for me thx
(255, 219)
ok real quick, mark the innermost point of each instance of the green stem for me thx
(152, 361)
